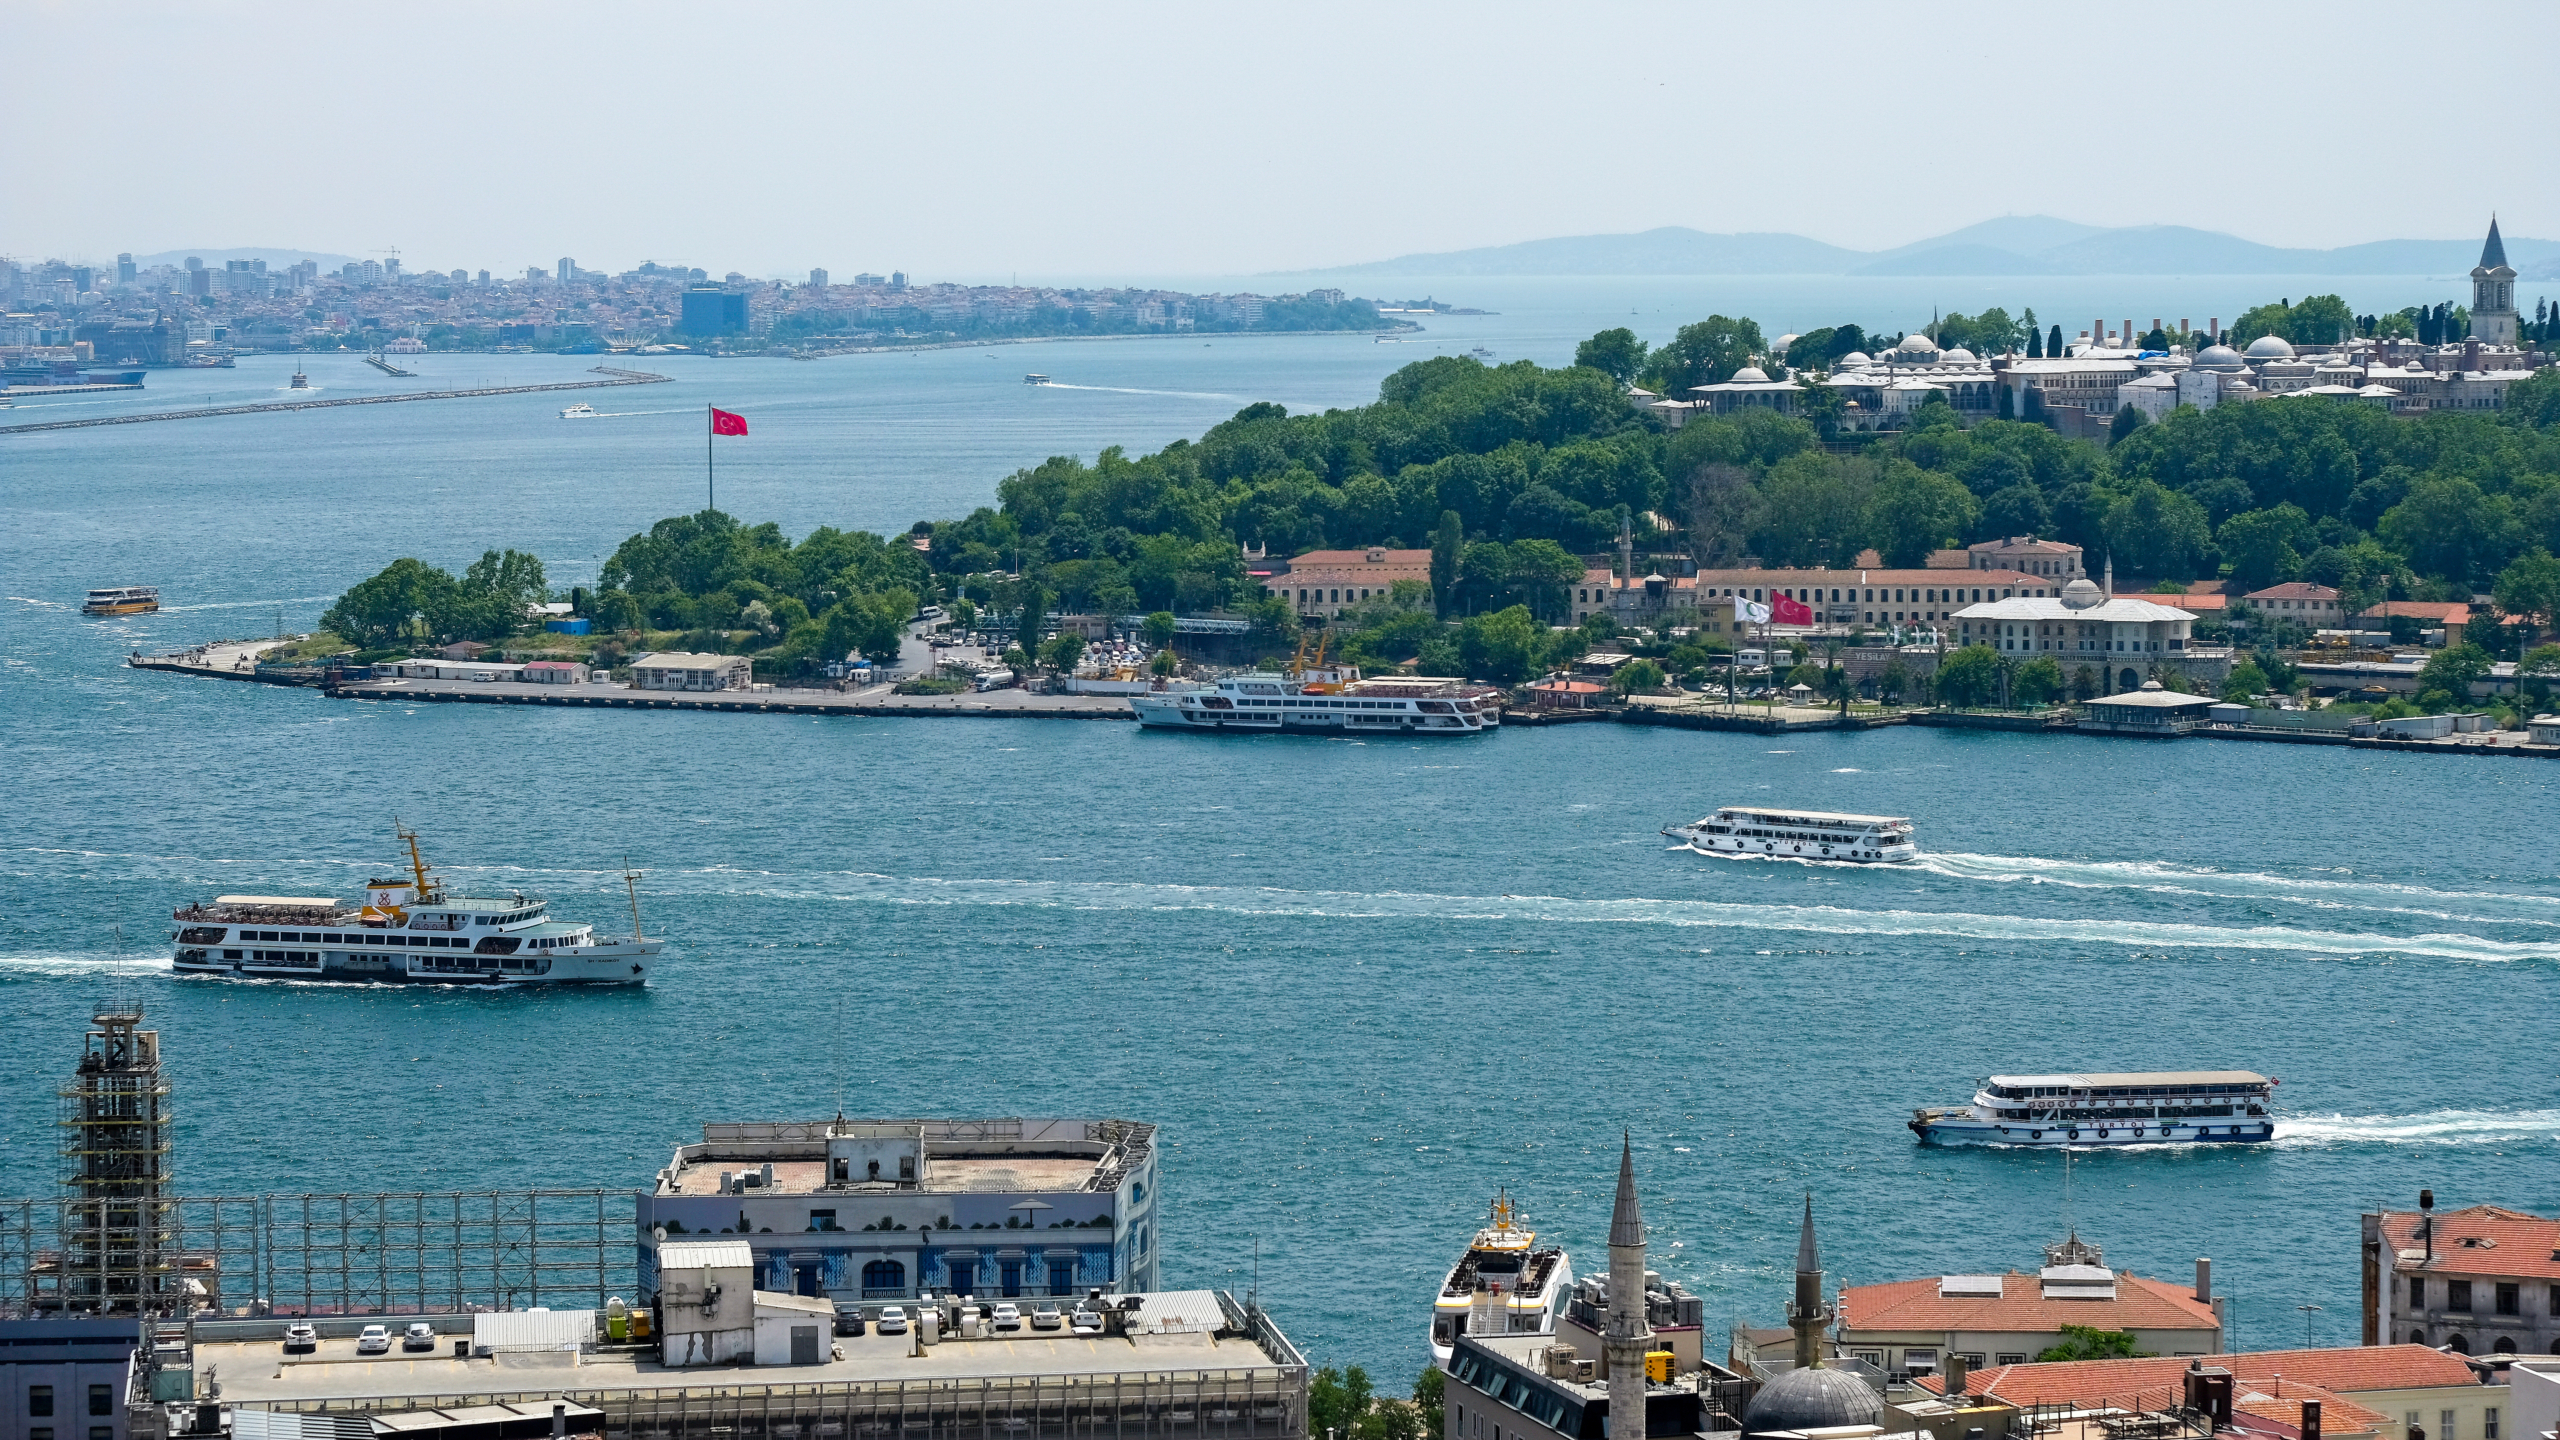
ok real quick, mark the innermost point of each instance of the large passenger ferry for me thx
(1334, 702)
(122, 600)
(1799, 835)
(1503, 1285)
(408, 931)
(2220, 1107)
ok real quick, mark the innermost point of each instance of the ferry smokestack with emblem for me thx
(1630, 1331)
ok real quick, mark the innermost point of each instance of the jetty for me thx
(387, 368)
(613, 377)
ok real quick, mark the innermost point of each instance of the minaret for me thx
(1630, 1333)
(2493, 293)
(1808, 1314)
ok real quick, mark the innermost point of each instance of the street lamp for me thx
(2307, 1312)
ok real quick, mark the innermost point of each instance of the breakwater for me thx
(614, 377)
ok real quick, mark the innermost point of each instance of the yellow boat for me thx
(123, 600)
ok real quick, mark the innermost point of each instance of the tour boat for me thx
(580, 411)
(1035, 378)
(1503, 1285)
(2160, 1107)
(300, 380)
(1332, 702)
(122, 600)
(408, 931)
(1799, 835)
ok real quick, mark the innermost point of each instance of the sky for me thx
(988, 140)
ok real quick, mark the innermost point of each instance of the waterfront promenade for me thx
(874, 700)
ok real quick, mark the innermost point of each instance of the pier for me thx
(876, 701)
(614, 377)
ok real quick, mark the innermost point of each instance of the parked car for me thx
(1045, 1317)
(1008, 1316)
(376, 1340)
(848, 1318)
(300, 1339)
(1085, 1321)
(893, 1320)
(419, 1336)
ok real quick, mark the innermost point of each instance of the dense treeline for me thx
(1510, 474)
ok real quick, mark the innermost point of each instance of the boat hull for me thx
(129, 607)
(1706, 844)
(592, 966)
(1160, 712)
(2085, 1135)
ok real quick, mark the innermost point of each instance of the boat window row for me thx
(367, 937)
(2030, 1092)
(2126, 1112)
(303, 959)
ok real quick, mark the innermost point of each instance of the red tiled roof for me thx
(1358, 557)
(2269, 1383)
(2191, 603)
(2293, 590)
(2140, 1304)
(2443, 612)
(2482, 1240)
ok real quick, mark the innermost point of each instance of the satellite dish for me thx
(658, 1233)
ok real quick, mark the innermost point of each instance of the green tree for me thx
(1448, 547)
(1706, 353)
(1505, 647)
(2263, 547)
(1637, 677)
(1812, 510)
(1914, 511)
(2319, 320)
(1165, 663)
(1061, 651)
(1617, 354)
(1969, 676)
(1158, 629)
(2126, 422)
(2036, 682)
(2245, 683)
(2452, 670)
(377, 612)
(2530, 587)
(2156, 532)
(873, 625)
(1336, 1400)
(1430, 1398)
(2447, 526)
(2088, 1342)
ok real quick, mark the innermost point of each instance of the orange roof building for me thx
(2006, 1319)
(2481, 1280)
(2379, 1390)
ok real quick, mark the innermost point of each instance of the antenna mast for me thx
(631, 882)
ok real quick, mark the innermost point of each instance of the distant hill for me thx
(2011, 245)
(277, 257)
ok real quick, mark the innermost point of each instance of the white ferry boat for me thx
(122, 600)
(1799, 835)
(1503, 1285)
(1274, 701)
(2218, 1107)
(407, 931)
(580, 411)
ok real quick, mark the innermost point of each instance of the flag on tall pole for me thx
(722, 423)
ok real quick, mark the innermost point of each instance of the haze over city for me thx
(1163, 140)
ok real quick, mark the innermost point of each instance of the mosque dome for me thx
(1784, 341)
(2082, 595)
(1816, 1399)
(1916, 344)
(2219, 357)
(1957, 356)
(1750, 375)
(1856, 360)
(2270, 347)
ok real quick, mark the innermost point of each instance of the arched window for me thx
(2457, 1345)
(2417, 1337)
(2504, 1346)
(885, 1277)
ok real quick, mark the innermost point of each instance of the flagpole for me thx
(710, 481)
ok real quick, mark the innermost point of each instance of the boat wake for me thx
(1176, 394)
(2197, 881)
(2438, 1127)
(246, 604)
(81, 966)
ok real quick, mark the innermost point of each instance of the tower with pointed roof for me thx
(1812, 1395)
(1808, 1314)
(2493, 293)
(1630, 1332)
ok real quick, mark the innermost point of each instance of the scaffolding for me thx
(117, 1250)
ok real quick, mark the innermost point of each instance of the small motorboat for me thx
(579, 412)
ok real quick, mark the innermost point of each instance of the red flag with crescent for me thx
(724, 423)
(1789, 612)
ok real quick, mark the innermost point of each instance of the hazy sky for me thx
(973, 140)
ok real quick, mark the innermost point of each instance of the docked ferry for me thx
(409, 930)
(122, 600)
(1331, 702)
(1799, 835)
(1504, 1285)
(2160, 1107)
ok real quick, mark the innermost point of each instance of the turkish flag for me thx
(724, 423)
(1789, 612)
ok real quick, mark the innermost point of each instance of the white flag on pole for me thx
(1751, 611)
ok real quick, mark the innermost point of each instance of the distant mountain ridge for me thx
(2011, 245)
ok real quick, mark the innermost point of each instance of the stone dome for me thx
(1957, 356)
(2082, 595)
(1916, 344)
(1812, 1400)
(2270, 347)
(1856, 360)
(1750, 375)
(2220, 357)
(1784, 341)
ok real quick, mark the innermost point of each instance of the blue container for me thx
(578, 626)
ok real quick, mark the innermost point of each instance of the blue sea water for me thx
(1359, 984)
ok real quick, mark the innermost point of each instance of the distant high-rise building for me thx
(818, 278)
(568, 270)
(484, 277)
(897, 279)
(696, 275)
(461, 277)
(83, 279)
(866, 278)
(194, 263)
(199, 281)
(124, 268)
(712, 310)
(534, 272)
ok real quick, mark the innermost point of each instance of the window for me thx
(2457, 1294)
(39, 1432)
(39, 1399)
(2417, 1293)
(822, 1220)
(884, 1278)
(2444, 1424)
(102, 1432)
(102, 1400)
(2510, 1298)
(2017, 1359)
(2489, 1423)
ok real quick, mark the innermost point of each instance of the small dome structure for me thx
(2152, 685)
(2082, 595)
(1750, 375)
(1957, 356)
(1784, 341)
(1816, 1399)
(2220, 357)
(1856, 360)
(2270, 347)
(1916, 344)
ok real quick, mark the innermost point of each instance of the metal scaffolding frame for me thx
(338, 1254)
(117, 1250)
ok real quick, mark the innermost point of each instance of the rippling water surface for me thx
(1359, 984)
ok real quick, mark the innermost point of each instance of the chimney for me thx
(2213, 327)
(2183, 326)
(1959, 1374)
(559, 1420)
(2310, 1420)
(2470, 354)
(2209, 1394)
(2427, 1207)
(2204, 1280)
